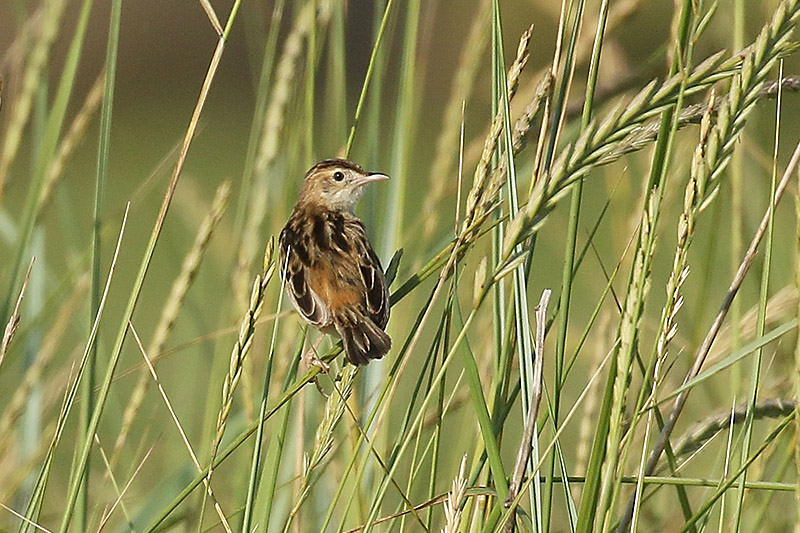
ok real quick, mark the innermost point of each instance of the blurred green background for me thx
(164, 53)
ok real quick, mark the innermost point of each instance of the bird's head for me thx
(336, 184)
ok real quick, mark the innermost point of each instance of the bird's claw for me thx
(311, 359)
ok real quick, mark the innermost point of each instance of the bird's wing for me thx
(376, 293)
(307, 302)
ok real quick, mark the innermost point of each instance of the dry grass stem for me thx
(212, 16)
(708, 341)
(49, 347)
(447, 144)
(701, 432)
(13, 321)
(184, 438)
(169, 313)
(525, 447)
(73, 136)
(573, 410)
(118, 501)
(20, 112)
(24, 519)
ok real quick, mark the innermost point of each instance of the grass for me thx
(160, 386)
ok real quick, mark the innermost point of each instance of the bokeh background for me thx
(164, 53)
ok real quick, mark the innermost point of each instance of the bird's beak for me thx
(370, 177)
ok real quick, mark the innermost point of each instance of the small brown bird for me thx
(333, 276)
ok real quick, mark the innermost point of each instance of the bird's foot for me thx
(311, 359)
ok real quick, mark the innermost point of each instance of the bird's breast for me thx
(333, 285)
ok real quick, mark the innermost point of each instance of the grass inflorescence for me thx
(159, 383)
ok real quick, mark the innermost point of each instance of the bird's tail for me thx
(363, 340)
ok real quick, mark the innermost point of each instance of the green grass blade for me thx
(734, 357)
(37, 496)
(522, 321)
(116, 351)
(269, 479)
(706, 507)
(255, 463)
(46, 150)
(368, 77)
(568, 270)
(761, 321)
(88, 383)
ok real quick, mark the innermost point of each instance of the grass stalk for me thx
(323, 439)
(35, 502)
(49, 140)
(737, 205)
(729, 123)
(256, 460)
(259, 115)
(308, 93)
(269, 478)
(83, 457)
(403, 142)
(240, 350)
(639, 282)
(170, 311)
(88, 383)
(51, 14)
(706, 507)
(568, 271)
(368, 77)
(461, 373)
(796, 367)
(704, 348)
(761, 321)
(524, 337)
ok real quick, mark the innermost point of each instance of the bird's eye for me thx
(338, 175)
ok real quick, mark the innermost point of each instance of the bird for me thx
(332, 275)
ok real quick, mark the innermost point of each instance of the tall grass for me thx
(620, 405)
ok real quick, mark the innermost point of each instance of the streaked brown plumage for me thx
(333, 276)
